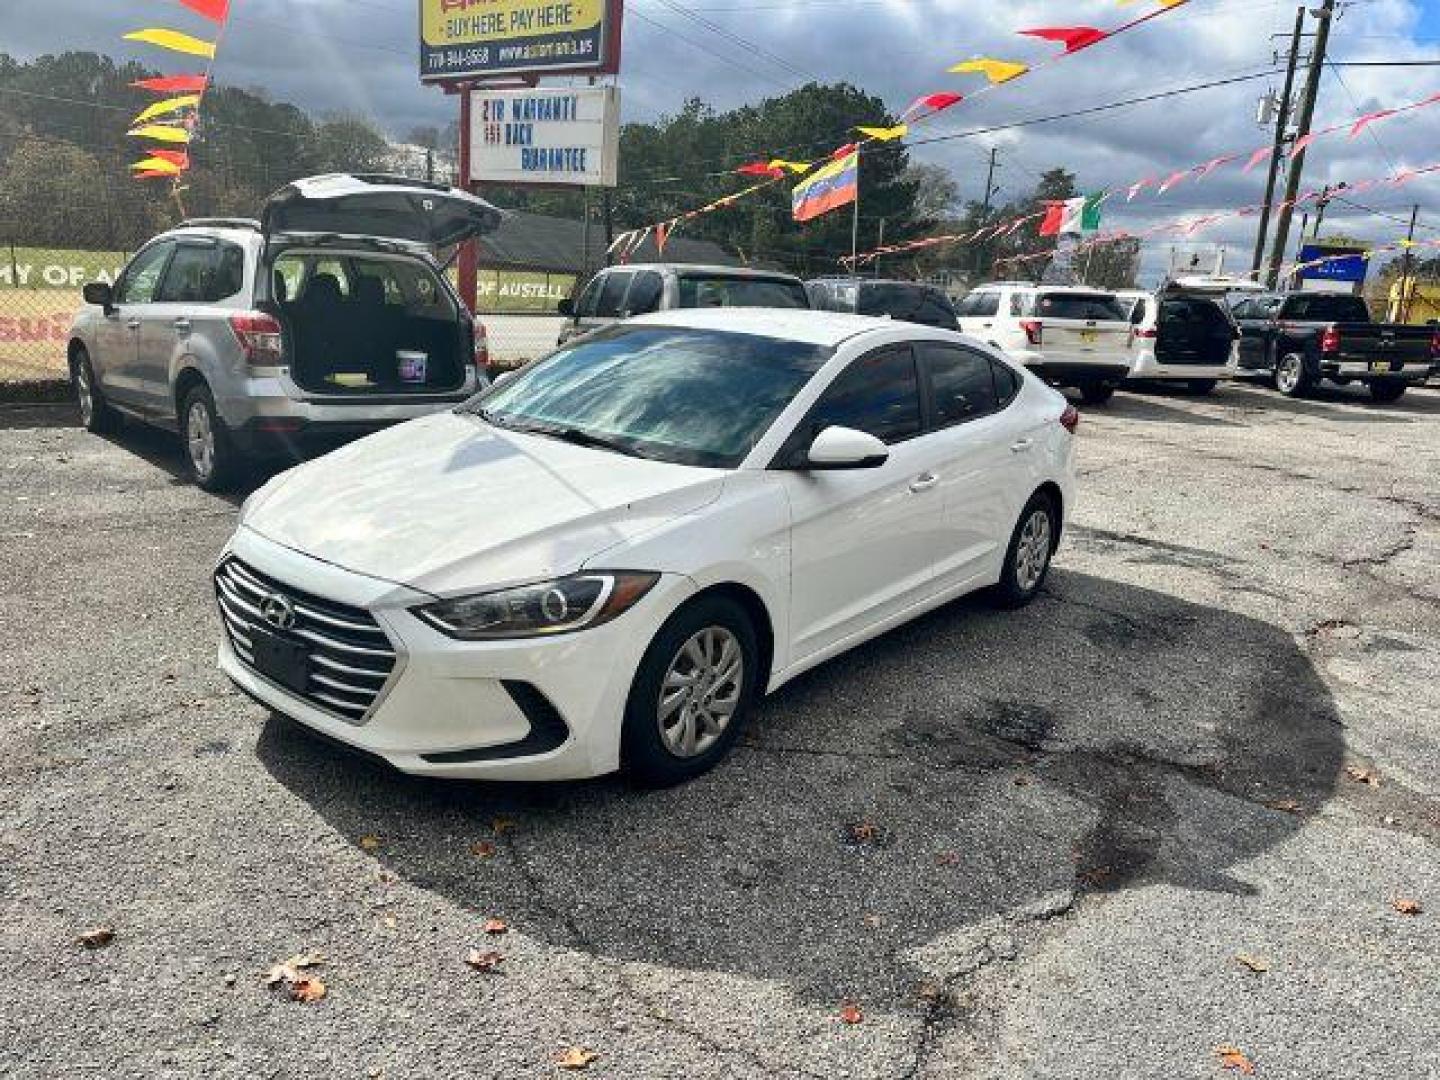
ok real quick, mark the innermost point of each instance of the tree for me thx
(1112, 265)
(348, 143)
(937, 195)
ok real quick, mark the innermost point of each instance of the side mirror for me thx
(845, 448)
(566, 307)
(100, 294)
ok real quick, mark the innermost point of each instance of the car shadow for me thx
(1346, 404)
(888, 806)
(1135, 403)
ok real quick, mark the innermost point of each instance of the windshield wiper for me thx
(587, 438)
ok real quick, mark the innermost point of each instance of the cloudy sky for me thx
(359, 55)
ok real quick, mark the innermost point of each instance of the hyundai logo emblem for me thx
(278, 611)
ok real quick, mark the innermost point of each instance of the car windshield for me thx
(1100, 307)
(725, 290)
(693, 397)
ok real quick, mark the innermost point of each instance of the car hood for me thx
(449, 504)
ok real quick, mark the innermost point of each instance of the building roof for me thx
(526, 241)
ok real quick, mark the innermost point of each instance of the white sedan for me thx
(603, 561)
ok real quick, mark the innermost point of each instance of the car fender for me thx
(196, 353)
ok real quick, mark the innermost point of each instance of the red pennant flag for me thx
(1074, 38)
(1368, 119)
(662, 233)
(759, 168)
(173, 84)
(211, 9)
(1257, 157)
(1139, 186)
(175, 157)
(935, 102)
(1213, 164)
(1171, 180)
(843, 151)
(1054, 215)
(150, 174)
(1302, 142)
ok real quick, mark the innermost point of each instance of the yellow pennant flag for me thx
(160, 108)
(792, 166)
(885, 134)
(997, 71)
(161, 133)
(156, 164)
(174, 39)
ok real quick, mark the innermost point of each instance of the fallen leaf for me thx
(1363, 776)
(929, 990)
(1256, 964)
(289, 970)
(370, 842)
(863, 832)
(502, 825)
(484, 849)
(495, 926)
(1233, 1058)
(577, 1057)
(850, 1013)
(1406, 906)
(1289, 806)
(307, 989)
(484, 961)
(97, 937)
(389, 921)
(1095, 876)
(948, 858)
(871, 920)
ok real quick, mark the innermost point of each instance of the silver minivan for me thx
(327, 318)
(618, 292)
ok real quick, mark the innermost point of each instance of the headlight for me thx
(549, 607)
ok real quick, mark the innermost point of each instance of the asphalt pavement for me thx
(1171, 809)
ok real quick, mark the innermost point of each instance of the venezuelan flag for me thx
(836, 185)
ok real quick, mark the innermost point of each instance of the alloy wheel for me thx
(1287, 376)
(700, 691)
(200, 439)
(1032, 554)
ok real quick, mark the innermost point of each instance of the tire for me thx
(1291, 378)
(652, 742)
(1201, 387)
(1387, 389)
(1096, 393)
(210, 454)
(1033, 538)
(96, 415)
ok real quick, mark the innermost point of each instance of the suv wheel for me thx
(1096, 393)
(1387, 389)
(95, 413)
(209, 453)
(1291, 378)
(691, 693)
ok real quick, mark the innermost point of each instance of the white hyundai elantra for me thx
(603, 561)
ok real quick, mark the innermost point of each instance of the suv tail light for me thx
(1147, 332)
(1070, 418)
(260, 338)
(1330, 339)
(1435, 345)
(481, 343)
(1034, 330)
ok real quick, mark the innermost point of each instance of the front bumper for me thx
(527, 709)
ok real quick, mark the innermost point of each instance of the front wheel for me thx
(1096, 393)
(209, 453)
(1387, 389)
(1027, 559)
(1291, 378)
(691, 693)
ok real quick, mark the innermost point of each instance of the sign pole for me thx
(467, 265)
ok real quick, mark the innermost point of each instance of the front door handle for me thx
(924, 482)
(182, 325)
(1021, 445)
(133, 324)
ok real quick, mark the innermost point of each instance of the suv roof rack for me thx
(220, 223)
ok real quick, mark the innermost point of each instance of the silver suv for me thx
(327, 318)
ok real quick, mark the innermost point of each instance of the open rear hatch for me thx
(380, 206)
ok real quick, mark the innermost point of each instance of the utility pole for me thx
(1326, 16)
(1407, 287)
(1282, 120)
(985, 205)
(1320, 204)
(879, 243)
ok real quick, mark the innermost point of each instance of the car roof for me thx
(792, 324)
(840, 279)
(706, 268)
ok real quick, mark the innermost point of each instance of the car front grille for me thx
(348, 657)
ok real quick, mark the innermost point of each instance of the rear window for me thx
(1325, 307)
(979, 305)
(701, 291)
(1201, 312)
(1098, 307)
(912, 303)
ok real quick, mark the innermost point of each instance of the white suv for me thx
(1068, 335)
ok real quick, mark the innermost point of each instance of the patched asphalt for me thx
(1022, 844)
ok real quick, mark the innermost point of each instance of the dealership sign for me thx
(465, 39)
(551, 136)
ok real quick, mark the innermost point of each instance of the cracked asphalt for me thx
(1025, 844)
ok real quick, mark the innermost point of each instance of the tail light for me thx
(1070, 418)
(1034, 330)
(1147, 334)
(1435, 345)
(481, 344)
(260, 338)
(1330, 339)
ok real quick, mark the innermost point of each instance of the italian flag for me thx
(1079, 215)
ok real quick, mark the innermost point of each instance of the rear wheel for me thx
(95, 414)
(209, 451)
(1201, 386)
(1291, 378)
(1387, 389)
(1027, 559)
(1096, 393)
(691, 693)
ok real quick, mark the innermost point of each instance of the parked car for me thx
(1183, 335)
(605, 559)
(1067, 335)
(912, 301)
(1296, 339)
(328, 317)
(619, 292)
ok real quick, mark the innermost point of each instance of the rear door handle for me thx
(182, 324)
(924, 482)
(133, 324)
(1021, 445)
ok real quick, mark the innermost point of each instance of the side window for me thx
(612, 294)
(645, 293)
(987, 304)
(961, 384)
(878, 393)
(935, 310)
(143, 274)
(1007, 383)
(585, 306)
(202, 273)
(1017, 304)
